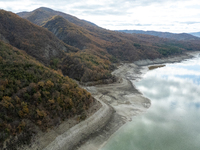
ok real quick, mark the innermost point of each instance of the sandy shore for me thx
(119, 101)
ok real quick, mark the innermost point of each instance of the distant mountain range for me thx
(174, 36)
(197, 34)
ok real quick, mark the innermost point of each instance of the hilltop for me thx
(35, 40)
(42, 14)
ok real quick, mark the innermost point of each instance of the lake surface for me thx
(173, 120)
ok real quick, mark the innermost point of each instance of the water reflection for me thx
(172, 122)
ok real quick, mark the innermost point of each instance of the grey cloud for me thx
(113, 8)
(194, 6)
(117, 7)
(161, 25)
(141, 2)
(189, 22)
(142, 24)
(88, 7)
(105, 12)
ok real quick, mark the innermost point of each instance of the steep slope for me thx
(119, 45)
(70, 33)
(90, 64)
(100, 47)
(35, 40)
(116, 46)
(32, 96)
(181, 36)
(47, 48)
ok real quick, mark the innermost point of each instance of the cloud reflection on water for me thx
(172, 121)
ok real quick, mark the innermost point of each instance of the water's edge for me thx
(118, 108)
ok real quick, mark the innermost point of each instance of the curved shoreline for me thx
(120, 102)
(129, 71)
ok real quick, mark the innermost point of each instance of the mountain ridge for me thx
(48, 13)
(30, 37)
(197, 34)
(175, 36)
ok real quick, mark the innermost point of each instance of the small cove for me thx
(172, 121)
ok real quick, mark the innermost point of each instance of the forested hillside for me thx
(120, 46)
(35, 40)
(33, 95)
(97, 48)
(48, 49)
(91, 62)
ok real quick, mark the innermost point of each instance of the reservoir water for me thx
(173, 120)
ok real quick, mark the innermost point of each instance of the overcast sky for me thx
(160, 15)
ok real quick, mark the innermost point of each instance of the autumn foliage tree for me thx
(31, 93)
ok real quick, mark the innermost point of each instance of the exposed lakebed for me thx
(172, 122)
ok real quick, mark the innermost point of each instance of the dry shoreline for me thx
(120, 102)
(124, 98)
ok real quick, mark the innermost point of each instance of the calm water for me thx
(173, 120)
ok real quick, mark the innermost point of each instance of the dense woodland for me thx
(32, 94)
(24, 35)
(37, 51)
(86, 67)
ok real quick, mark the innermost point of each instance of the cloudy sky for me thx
(161, 15)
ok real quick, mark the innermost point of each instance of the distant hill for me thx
(34, 97)
(100, 48)
(36, 41)
(42, 14)
(116, 44)
(197, 34)
(181, 36)
(119, 45)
